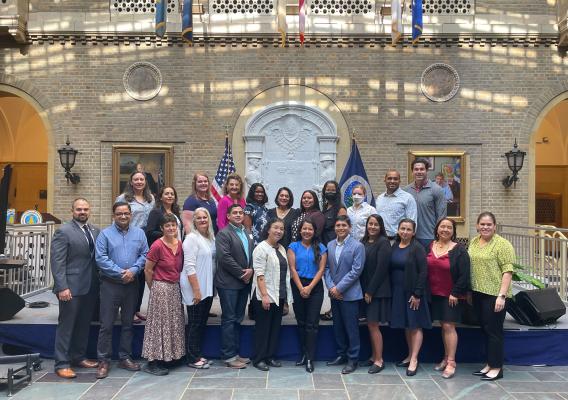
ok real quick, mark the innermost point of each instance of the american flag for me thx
(226, 167)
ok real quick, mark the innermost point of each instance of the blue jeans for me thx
(233, 304)
(346, 328)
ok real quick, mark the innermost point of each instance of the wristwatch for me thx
(503, 296)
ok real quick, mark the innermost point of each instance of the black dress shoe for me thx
(261, 366)
(350, 367)
(338, 361)
(494, 378)
(309, 366)
(403, 364)
(273, 363)
(375, 369)
(479, 373)
(410, 372)
(302, 361)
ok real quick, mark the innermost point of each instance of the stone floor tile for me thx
(86, 377)
(535, 387)
(289, 378)
(325, 394)
(264, 394)
(467, 389)
(147, 386)
(233, 383)
(548, 376)
(207, 394)
(218, 372)
(52, 391)
(327, 381)
(104, 389)
(379, 392)
(374, 379)
(519, 376)
(426, 390)
(538, 396)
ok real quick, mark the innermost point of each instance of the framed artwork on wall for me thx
(154, 161)
(446, 168)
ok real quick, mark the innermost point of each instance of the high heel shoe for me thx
(410, 372)
(309, 366)
(494, 378)
(302, 361)
(481, 372)
(450, 370)
(442, 365)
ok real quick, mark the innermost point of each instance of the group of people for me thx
(397, 263)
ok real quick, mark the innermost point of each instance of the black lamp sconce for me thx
(67, 156)
(515, 160)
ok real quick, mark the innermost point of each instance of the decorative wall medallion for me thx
(142, 81)
(440, 82)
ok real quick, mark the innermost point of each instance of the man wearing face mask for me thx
(359, 211)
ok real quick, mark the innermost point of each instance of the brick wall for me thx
(376, 89)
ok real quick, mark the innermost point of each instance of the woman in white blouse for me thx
(359, 211)
(271, 290)
(196, 283)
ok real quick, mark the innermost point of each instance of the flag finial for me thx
(227, 127)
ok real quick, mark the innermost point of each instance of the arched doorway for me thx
(551, 165)
(25, 144)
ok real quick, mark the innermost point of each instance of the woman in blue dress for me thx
(256, 213)
(409, 285)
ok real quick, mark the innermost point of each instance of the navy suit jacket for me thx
(344, 275)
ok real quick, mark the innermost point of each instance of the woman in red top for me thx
(448, 273)
(165, 325)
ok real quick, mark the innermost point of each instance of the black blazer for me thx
(460, 270)
(152, 230)
(375, 279)
(416, 270)
(231, 259)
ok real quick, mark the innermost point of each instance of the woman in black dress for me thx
(409, 284)
(285, 211)
(375, 283)
(331, 208)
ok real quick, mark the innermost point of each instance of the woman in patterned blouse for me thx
(492, 258)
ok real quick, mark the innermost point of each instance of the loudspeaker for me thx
(11, 304)
(536, 307)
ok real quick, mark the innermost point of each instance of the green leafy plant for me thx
(520, 276)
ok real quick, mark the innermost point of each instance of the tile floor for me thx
(290, 382)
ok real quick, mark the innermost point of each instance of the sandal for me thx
(206, 361)
(326, 316)
(141, 316)
(442, 365)
(199, 364)
(450, 370)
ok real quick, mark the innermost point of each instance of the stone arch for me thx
(39, 102)
(297, 99)
(549, 98)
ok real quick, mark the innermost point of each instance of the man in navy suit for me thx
(76, 284)
(345, 261)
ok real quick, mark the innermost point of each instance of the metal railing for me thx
(543, 251)
(32, 244)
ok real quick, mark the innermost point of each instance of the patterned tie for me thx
(89, 238)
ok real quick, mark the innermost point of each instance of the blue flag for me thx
(161, 15)
(354, 174)
(187, 21)
(416, 20)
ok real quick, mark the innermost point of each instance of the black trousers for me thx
(491, 323)
(197, 316)
(72, 334)
(307, 313)
(141, 287)
(115, 296)
(267, 329)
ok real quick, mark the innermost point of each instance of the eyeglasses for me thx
(124, 214)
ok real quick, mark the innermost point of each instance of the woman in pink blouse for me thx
(233, 194)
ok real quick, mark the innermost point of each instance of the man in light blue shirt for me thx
(120, 253)
(395, 204)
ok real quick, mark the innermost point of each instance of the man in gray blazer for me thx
(345, 262)
(233, 276)
(76, 285)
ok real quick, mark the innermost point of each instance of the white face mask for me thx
(358, 199)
